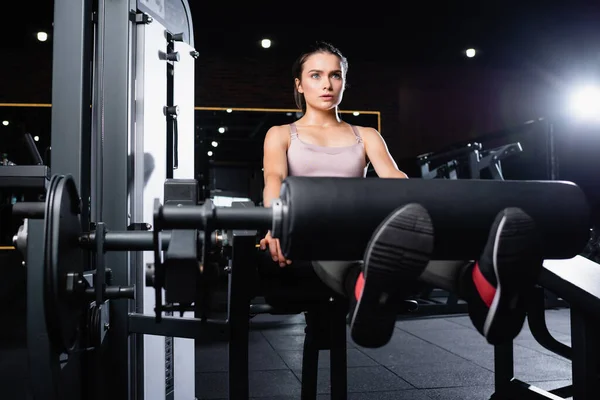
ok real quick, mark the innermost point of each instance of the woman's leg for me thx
(448, 275)
(496, 285)
(338, 275)
(395, 257)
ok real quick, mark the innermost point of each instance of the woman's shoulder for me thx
(278, 133)
(279, 130)
(366, 132)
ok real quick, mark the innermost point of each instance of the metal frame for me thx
(73, 146)
(71, 94)
(115, 73)
(82, 137)
(71, 118)
(325, 326)
(242, 265)
(584, 354)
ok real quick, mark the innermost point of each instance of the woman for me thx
(320, 143)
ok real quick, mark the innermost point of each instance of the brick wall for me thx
(422, 109)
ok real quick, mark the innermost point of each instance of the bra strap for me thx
(358, 137)
(293, 131)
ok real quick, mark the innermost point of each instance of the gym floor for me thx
(440, 357)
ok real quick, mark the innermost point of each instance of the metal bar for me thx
(137, 174)
(171, 326)
(239, 308)
(584, 342)
(31, 209)
(126, 240)
(536, 317)
(118, 95)
(473, 163)
(310, 358)
(34, 153)
(97, 118)
(113, 292)
(171, 149)
(190, 217)
(552, 159)
(450, 154)
(517, 389)
(504, 370)
(71, 95)
(338, 355)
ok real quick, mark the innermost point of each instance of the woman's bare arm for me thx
(275, 171)
(274, 163)
(379, 156)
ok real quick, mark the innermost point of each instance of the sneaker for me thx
(396, 255)
(507, 270)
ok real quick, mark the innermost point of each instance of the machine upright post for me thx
(71, 95)
(115, 98)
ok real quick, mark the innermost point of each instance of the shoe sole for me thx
(516, 268)
(397, 253)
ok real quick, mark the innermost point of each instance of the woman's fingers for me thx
(275, 250)
(282, 261)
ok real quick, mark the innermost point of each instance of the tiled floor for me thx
(440, 357)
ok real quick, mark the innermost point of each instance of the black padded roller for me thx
(334, 218)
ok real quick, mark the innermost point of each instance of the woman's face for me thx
(323, 81)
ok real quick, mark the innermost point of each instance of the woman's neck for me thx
(320, 118)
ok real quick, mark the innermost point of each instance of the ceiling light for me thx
(356, 113)
(229, 110)
(5, 123)
(36, 138)
(42, 36)
(221, 130)
(265, 43)
(214, 143)
(210, 153)
(585, 103)
(470, 53)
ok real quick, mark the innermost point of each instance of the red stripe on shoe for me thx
(360, 285)
(484, 288)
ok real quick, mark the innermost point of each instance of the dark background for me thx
(406, 60)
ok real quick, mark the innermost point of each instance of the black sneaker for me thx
(395, 257)
(508, 269)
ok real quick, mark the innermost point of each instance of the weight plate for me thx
(62, 255)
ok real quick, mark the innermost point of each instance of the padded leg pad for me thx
(334, 218)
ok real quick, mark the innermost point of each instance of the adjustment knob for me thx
(173, 56)
(176, 37)
(171, 110)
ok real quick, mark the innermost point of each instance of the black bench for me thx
(577, 282)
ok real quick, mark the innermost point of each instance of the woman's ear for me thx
(298, 85)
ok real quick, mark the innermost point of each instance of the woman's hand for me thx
(274, 249)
